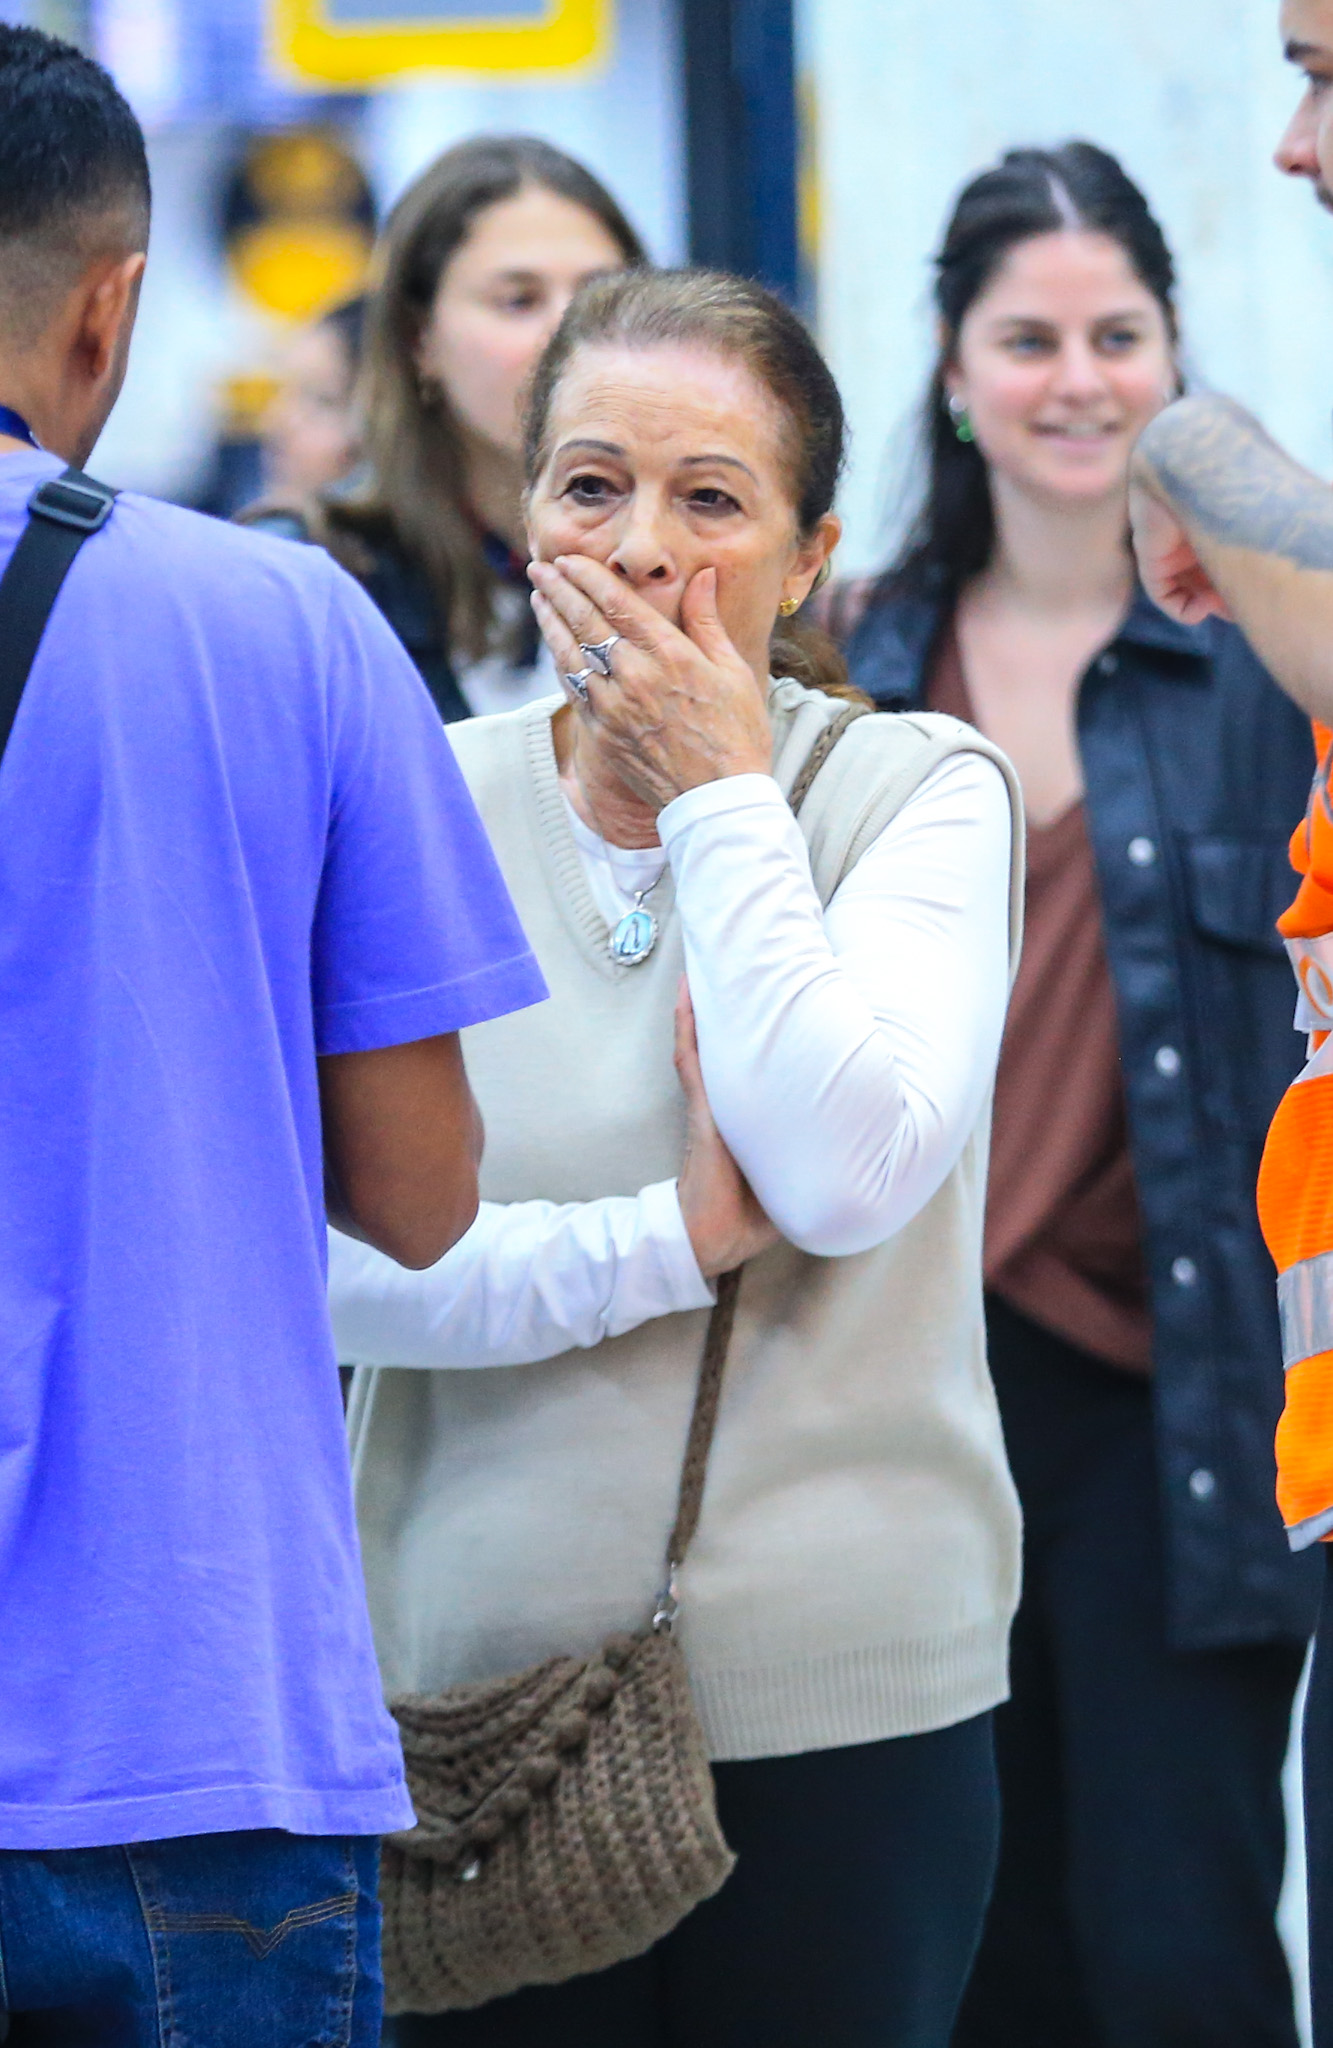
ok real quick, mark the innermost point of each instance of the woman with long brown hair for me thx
(478, 261)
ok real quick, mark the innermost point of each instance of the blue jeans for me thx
(253, 1940)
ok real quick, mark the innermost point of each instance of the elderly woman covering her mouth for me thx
(846, 1603)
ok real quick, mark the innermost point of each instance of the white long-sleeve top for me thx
(846, 1053)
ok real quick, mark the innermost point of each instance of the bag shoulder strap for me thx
(708, 1393)
(822, 748)
(62, 512)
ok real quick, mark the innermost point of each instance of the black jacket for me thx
(1197, 768)
(401, 589)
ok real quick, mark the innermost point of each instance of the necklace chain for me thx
(635, 934)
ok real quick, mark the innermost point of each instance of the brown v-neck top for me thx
(1064, 1242)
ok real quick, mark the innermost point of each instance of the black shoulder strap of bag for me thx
(61, 514)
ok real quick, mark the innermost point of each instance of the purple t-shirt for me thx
(232, 835)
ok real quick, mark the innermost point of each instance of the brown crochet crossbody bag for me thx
(566, 1816)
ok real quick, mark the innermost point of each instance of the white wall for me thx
(913, 97)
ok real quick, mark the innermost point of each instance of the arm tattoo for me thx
(1219, 468)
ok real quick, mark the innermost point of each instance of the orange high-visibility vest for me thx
(1296, 1184)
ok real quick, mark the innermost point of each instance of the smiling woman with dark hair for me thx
(844, 1608)
(1130, 1313)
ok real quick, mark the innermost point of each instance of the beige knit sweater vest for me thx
(856, 1566)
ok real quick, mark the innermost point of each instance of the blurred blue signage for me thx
(183, 60)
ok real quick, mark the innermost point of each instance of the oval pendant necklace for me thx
(636, 933)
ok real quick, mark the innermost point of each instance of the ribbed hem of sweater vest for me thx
(871, 1694)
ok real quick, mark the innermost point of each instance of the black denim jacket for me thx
(1197, 769)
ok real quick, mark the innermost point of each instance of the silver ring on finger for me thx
(579, 683)
(599, 654)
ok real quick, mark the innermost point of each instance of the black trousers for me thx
(850, 1921)
(1142, 1842)
(1318, 1767)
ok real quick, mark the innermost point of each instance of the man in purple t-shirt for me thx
(245, 908)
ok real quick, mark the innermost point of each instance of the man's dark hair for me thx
(73, 174)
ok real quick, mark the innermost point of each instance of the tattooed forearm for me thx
(1226, 523)
(1223, 474)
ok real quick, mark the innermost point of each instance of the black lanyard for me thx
(14, 424)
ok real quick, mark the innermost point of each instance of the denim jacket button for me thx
(1142, 851)
(1184, 1272)
(1108, 663)
(1203, 1485)
(1167, 1061)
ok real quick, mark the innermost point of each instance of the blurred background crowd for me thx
(816, 143)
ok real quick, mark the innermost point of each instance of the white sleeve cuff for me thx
(683, 1285)
(527, 1281)
(718, 799)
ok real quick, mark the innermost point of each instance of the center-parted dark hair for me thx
(1030, 192)
(71, 156)
(744, 323)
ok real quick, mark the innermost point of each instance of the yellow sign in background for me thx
(356, 44)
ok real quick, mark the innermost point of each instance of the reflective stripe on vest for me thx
(1305, 1304)
(1296, 1186)
(1314, 1531)
(1312, 964)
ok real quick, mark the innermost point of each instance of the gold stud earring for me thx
(788, 606)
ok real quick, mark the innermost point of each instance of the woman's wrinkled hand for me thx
(725, 1222)
(681, 706)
